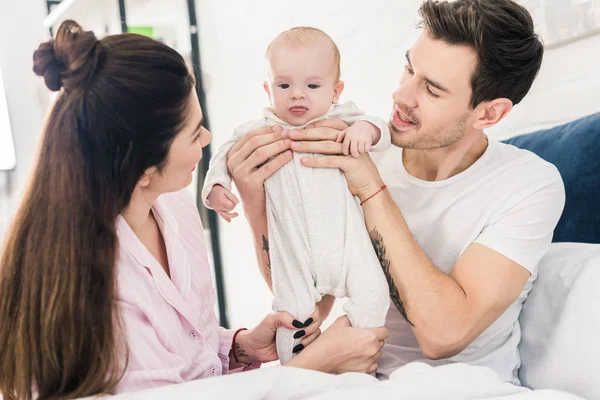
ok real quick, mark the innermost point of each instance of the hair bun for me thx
(70, 59)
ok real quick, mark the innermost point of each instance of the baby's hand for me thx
(223, 202)
(358, 138)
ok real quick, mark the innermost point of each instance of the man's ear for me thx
(337, 91)
(492, 112)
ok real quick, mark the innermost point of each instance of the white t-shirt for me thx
(509, 200)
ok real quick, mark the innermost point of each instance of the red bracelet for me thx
(233, 343)
(373, 195)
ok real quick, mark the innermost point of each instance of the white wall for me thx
(372, 36)
(21, 33)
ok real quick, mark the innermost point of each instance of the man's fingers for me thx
(314, 134)
(268, 169)
(340, 162)
(264, 153)
(324, 147)
(252, 145)
(259, 132)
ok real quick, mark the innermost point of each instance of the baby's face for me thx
(301, 82)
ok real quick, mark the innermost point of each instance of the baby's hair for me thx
(306, 36)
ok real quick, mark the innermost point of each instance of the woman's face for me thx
(184, 154)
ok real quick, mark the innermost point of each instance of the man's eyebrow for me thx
(433, 83)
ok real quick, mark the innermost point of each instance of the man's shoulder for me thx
(523, 164)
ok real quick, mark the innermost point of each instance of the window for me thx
(7, 148)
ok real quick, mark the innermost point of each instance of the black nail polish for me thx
(297, 324)
(298, 348)
(299, 334)
(308, 322)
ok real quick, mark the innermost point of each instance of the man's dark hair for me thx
(501, 32)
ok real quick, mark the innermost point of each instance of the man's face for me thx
(432, 105)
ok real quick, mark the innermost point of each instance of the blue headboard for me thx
(574, 148)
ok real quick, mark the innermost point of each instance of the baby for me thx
(318, 243)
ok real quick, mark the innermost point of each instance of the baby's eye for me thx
(312, 86)
(284, 85)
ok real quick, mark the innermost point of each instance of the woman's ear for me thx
(145, 180)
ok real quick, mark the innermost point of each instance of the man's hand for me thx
(361, 173)
(248, 165)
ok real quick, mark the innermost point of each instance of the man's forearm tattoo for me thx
(266, 249)
(380, 251)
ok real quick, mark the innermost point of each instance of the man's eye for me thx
(431, 93)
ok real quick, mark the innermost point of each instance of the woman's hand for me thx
(258, 344)
(361, 173)
(248, 165)
(342, 348)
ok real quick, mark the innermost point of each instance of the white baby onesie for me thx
(318, 242)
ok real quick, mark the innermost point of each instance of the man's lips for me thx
(401, 121)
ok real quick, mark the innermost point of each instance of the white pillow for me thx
(560, 321)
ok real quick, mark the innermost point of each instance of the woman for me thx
(105, 285)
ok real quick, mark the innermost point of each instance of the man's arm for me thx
(448, 312)
(258, 226)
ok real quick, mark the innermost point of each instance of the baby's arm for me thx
(359, 137)
(218, 178)
(379, 139)
(217, 175)
(384, 140)
(223, 202)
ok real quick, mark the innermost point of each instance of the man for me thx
(464, 221)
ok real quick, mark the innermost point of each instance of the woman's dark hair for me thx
(123, 100)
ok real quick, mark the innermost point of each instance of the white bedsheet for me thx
(416, 380)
